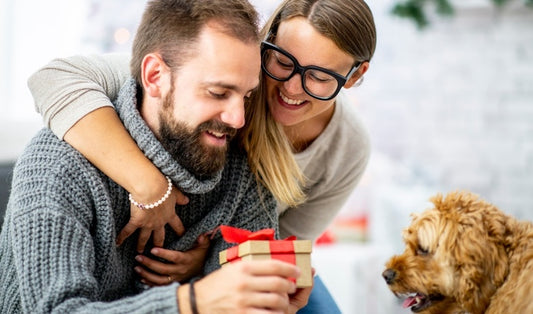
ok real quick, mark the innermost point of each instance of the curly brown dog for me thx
(464, 256)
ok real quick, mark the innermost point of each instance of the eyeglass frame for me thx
(341, 80)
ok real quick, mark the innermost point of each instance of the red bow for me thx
(236, 235)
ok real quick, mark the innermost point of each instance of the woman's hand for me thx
(247, 286)
(154, 220)
(181, 265)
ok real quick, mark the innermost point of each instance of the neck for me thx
(303, 134)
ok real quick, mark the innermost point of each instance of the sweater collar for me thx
(126, 106)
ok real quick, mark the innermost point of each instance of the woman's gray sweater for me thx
(57, 246)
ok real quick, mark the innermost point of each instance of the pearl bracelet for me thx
(153, 205)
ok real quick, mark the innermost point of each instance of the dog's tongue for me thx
(410, 301)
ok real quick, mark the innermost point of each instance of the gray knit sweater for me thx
(57, 246)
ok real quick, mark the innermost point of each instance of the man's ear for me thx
(357, 75)
(154, 73)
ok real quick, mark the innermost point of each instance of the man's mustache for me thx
(217, 126)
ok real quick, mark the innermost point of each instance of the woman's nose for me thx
(294, 84)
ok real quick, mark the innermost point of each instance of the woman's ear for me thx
(154, 72)
(357, 75)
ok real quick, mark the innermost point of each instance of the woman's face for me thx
(287, 101)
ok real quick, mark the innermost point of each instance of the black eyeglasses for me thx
(317, 82)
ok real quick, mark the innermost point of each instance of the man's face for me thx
(205, 105)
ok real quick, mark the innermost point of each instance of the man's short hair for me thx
(172, 27)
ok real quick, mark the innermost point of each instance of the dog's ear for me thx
(482, 261)
(499, 225)
(475, 267)
(500, 235)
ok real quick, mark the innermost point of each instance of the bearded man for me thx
(193, 65)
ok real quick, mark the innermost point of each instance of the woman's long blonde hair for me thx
(350, 25)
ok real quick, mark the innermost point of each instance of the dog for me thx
(464, 256)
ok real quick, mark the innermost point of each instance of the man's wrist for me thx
(182, 295)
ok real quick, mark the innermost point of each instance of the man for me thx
(57, 246)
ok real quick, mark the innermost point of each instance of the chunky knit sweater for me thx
(57, 246)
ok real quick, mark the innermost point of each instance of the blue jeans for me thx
(320, 300)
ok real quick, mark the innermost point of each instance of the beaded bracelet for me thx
(192, 296)
(153, 205)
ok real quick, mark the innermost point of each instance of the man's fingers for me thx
(203, 242)
(273, 284)
(153, 265)
(152, 279)
(271, 267)
(128, 230)
(272, 301)
(170, 255)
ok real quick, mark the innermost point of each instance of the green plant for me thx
(416, 10)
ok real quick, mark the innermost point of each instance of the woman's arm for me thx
(73, 96)
(67, 89)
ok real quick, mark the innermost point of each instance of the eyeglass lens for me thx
(281, 67)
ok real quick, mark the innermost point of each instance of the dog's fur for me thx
(465, 256)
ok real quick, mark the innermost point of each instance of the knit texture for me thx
(57, 246)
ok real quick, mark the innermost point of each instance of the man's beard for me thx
(186, 146)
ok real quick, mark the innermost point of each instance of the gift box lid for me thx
(266, 247)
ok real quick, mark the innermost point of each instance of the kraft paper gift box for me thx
(261, 245)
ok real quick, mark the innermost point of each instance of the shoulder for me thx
(48, 153)
(50, 173)
(345, 141)
(348, 121)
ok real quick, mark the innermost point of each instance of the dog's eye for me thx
(422, 251)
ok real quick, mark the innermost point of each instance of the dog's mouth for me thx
(419, 302)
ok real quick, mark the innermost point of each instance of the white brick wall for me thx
(454, 105)
(448, 108)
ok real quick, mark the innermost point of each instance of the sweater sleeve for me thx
(62, 257)
(56, 275)
(67, 89)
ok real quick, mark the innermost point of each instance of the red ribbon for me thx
(279, 249)
(236, 235)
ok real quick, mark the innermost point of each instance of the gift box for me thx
(261, 245)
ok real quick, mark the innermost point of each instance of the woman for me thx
(312, 49)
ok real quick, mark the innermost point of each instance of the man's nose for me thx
(233, 115)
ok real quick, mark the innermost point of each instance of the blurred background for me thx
(448, 101)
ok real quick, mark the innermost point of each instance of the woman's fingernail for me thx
(138, 258)
(137, 269)
(154, 251)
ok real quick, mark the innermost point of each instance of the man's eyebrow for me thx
(226, 86)
(220, 84)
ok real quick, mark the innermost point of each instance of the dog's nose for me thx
(389, 275)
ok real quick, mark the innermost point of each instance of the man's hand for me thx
(247, 286)
(300, 298)
(154, 220)
(181, 265)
